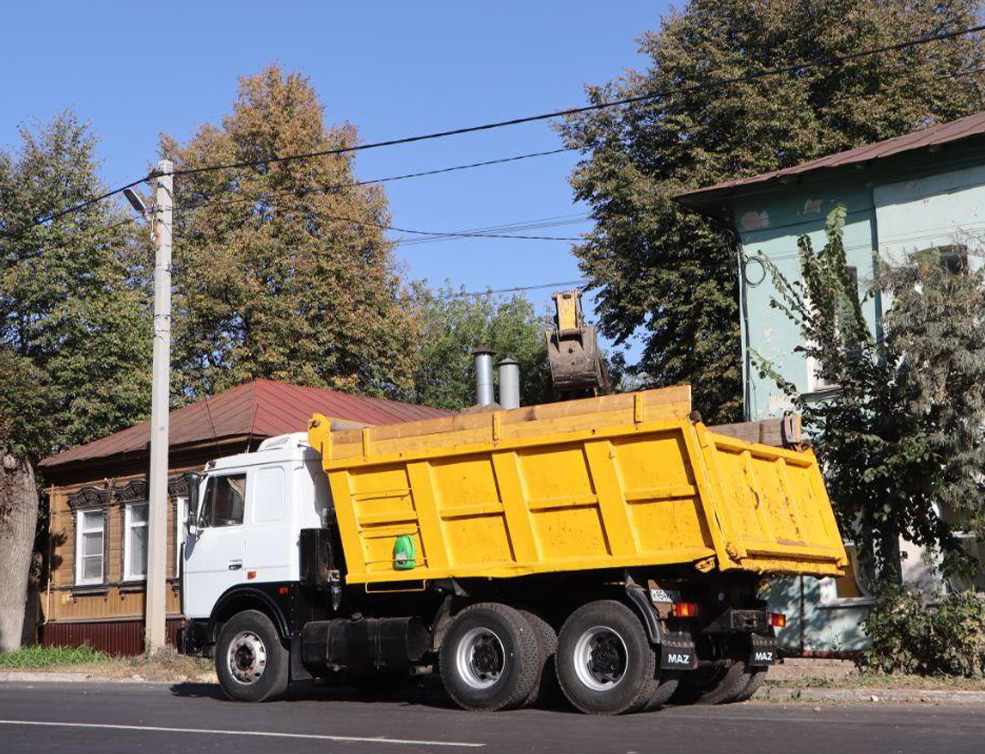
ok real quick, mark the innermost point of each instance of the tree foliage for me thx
(672, 274)
(902, 443)
(450, 325)
(282, 270)
(75, 333)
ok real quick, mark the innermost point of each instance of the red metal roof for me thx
(261, 408)
(972, 125)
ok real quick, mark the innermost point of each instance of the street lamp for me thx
(137, 202)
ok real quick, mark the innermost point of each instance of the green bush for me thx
(944, 639)
(46, 657)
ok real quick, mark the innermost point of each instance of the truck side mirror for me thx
(193, 483)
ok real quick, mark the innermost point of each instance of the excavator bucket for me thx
(577, 366)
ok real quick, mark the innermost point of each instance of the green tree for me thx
(450, 325)
(282, 270)
(75, 329)
(74, 305)
(671, 274)
(902, 444)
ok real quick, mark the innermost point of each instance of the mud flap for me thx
(677, 651)
(762, 650)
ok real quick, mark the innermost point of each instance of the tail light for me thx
(778, 620)
(685, 610)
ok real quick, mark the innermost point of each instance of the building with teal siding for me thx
(919, 191)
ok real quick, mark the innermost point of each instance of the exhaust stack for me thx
(509, 383)
(483, 376)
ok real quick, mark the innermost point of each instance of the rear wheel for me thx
(489, 658)
(667, 684)
(756, 679)
(605, 663)
(718, 685)
(251, 662)
(545, 687)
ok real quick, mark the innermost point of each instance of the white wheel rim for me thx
(480, 658)
(600, 658)
(246, 658)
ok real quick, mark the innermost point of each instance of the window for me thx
(856, 587)
(225, 499)
(89, 546)
(180, 514)
(952, 257)
(135, 542)
(959, 523)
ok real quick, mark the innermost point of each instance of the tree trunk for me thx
(18, 519)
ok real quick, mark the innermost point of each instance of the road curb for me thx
(42, 677)
(873, 695)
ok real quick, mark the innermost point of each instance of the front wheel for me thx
(250, 660)
(605, 663)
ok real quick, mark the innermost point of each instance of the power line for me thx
(547, 222)
(74, 208)
(793, 68)
(388, 179)
(517, 289)
(39, 252)
(428, 233)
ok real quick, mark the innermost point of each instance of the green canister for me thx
(404, 557)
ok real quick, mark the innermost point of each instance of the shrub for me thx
(945, 639)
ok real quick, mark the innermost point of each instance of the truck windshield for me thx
(225, 497)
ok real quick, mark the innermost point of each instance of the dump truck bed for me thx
(611, 482)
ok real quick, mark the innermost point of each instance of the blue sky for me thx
(391, 68)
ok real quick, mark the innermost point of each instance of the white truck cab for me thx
(245, 531)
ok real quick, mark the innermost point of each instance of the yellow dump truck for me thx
(614, 546)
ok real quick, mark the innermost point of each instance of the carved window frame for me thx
(178, 493)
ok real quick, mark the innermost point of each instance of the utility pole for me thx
(157, 520)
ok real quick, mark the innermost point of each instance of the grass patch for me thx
(30, 658)
(166, 664)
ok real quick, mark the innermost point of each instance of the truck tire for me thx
(667, 685)
(489, 658)
(756, 679)
(250, 659)
(605, 663)
(720, 685)
(546, 684)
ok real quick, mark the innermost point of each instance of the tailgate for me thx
(773, 508)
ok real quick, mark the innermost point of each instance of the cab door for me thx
(215, 551)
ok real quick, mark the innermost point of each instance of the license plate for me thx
(658, 596)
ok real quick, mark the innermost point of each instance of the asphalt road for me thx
(114, 717)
